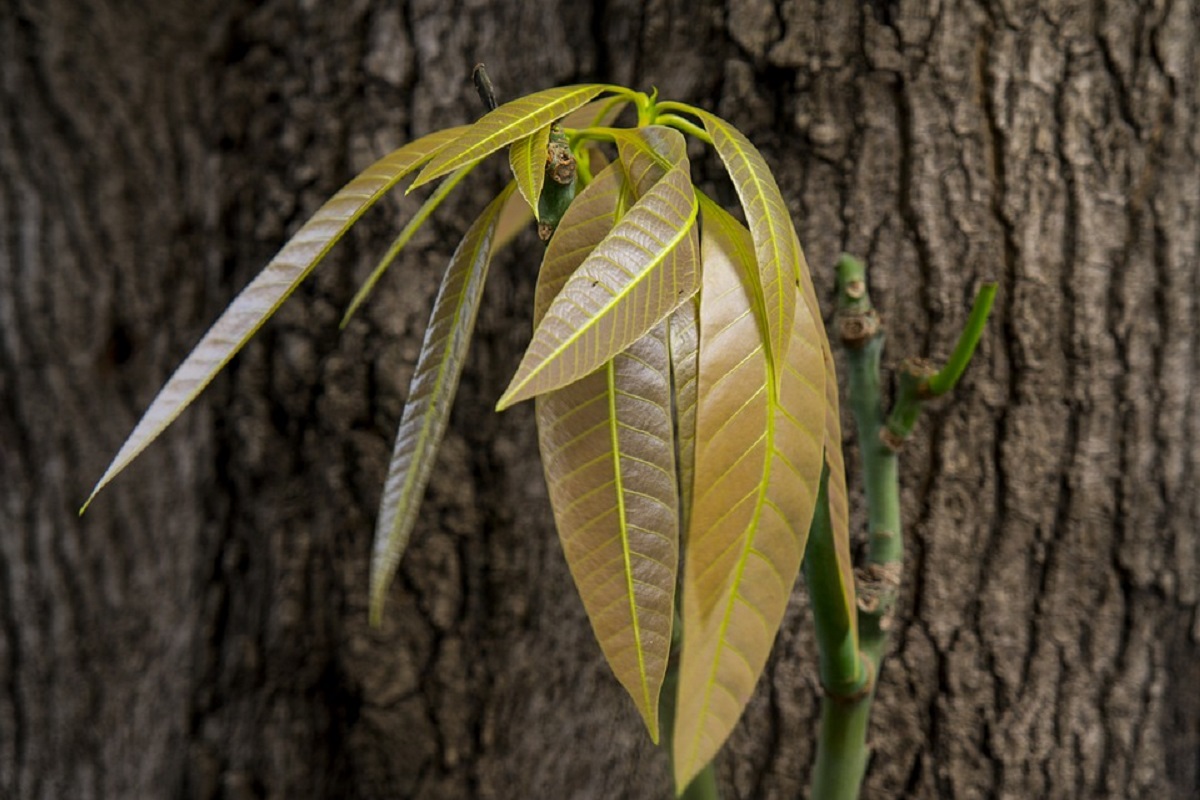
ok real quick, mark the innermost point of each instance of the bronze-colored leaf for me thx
(430, 396)
(507, 124)
(607, 453)
(839, 502)
(607, 450)
(759, 444)
(260, 299)
(775, 245)
(626, 285)
(589, 218)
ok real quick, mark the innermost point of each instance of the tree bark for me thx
(202, 631)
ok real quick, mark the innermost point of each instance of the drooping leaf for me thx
(607, 453)
(507, 124)
(775, 243)
(626, 285)
(527, 159)
(402, 239)
(606, 444)
(684, 339)
(759, 444)
(430, 396)
(263, 295)
(839, 503)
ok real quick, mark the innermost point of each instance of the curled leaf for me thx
(527, 159)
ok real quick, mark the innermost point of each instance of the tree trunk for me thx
(202, 632)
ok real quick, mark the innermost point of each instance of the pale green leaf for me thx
(507, 124)
(627, 284)
(775, 244)
(430, 395)
(263, 296)
(527, 159)
(606, 443)
(759, 444)
(402, 239)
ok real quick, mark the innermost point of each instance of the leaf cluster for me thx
(685, 398)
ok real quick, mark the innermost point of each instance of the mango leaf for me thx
(402, 239)
(263, 295)
(775, 244)
(839, 503)
(626, 286)
(607, 453)
(684, 340)
(430, 396)
(759, 444)
(606, 444)
(527, 159)
(507, 124)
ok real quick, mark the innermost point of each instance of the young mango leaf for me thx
(527, 159)
(430, 396)
(775, 243)
(402, 239)
(606, 444)
(263, 295)
(626, 286)
(759, 444)
(507, 124)
(607, 454)
(839, 502)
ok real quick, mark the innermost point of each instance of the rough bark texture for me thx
(202, 632)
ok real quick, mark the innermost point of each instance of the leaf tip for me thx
(375, 616)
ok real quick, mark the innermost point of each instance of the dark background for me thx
(202, 632)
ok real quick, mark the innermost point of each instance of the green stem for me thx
(841, 668)
(842, 750)
(863, 338)
(948, 376)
